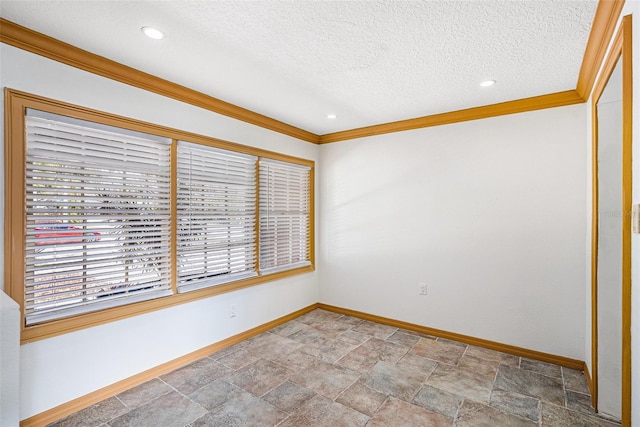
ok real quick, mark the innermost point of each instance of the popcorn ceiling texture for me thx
(369, 62)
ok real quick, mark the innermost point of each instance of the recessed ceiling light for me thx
(488, 83)
(331, 116)
(153, 33)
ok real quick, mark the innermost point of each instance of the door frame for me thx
(621, 49)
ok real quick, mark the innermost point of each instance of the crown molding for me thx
(604, 24)
(558, 99)
(43, 45)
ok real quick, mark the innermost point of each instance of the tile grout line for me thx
(540, 412)
(334, 364)
(564, 388)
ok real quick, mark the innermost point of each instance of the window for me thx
(216, 216)
(97, 217)
(109, 217)
(284, 215)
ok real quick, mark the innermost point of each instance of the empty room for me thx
(320, 213)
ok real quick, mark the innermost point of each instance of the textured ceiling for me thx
(368, 62)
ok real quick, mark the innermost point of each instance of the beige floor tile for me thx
(375, 329)
(393, 381)
(195, 375)
(579, 402)
(531, 384)
(226, 351)
(297, 360)
(362, 398)
(556, 416)
(327, 349)
(215, 394)
(288, 328)
(421, 364)
(317, 316)
(474, 414)
(169, 410)
(510, 360)
(242, 410)
(271, 346)
(479, 366)
(516, 404)
(325, 379)
(349, 320)
(144, 393)
(543, 368)
(352, 337)
(322, 412)
(94, 415)
(440, 351)
(467, 384)
(360, 359)
(239, 359)
(397, 412)
(484, 353)
(438, 401)
(288, 396)
(452, 342)
(331, 328)
(403, 338)
(575, 380)
(387, 351)
(259, 377)
(305, 336)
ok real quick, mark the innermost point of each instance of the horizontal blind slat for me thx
(97, 211)
(216, 216)
(284, 215)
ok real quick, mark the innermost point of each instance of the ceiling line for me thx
(604, 23)
(605, 19)
(43, 45)
(558, 99)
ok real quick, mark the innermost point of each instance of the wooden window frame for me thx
(16, 104)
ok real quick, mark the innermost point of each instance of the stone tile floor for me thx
(326, 369)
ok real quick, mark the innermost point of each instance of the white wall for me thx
(59, 369)
(489, 213)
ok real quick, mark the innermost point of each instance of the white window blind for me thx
(97, 217)
(216, 216)
(284, 216)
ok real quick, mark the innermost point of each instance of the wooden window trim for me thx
(16, 103)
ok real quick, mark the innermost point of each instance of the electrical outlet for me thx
(234, 310)
(422, 289)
